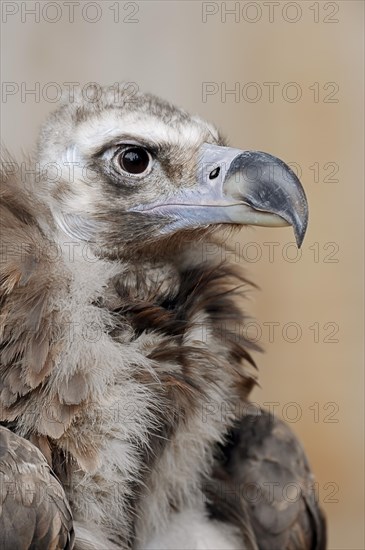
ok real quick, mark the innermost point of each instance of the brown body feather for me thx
(121, 358)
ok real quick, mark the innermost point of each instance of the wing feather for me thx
(265, 475)
(34, 512)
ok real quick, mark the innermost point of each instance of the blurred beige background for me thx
(310, 311)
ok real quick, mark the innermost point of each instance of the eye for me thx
(134, 160)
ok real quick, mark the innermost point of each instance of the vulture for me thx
(125, 377)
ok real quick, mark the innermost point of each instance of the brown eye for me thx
(134, 160)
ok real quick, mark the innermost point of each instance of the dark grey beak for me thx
(238, 187)
(265, 185)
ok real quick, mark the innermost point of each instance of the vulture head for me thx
(124, 371)
(133, 176)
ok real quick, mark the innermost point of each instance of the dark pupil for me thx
(135, 160)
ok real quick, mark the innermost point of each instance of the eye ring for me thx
(134, 160)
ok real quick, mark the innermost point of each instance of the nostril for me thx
(214, 173)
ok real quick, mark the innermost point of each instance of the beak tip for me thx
(300, 229)
(299, 240)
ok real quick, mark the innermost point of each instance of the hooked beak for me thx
(239, 187)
